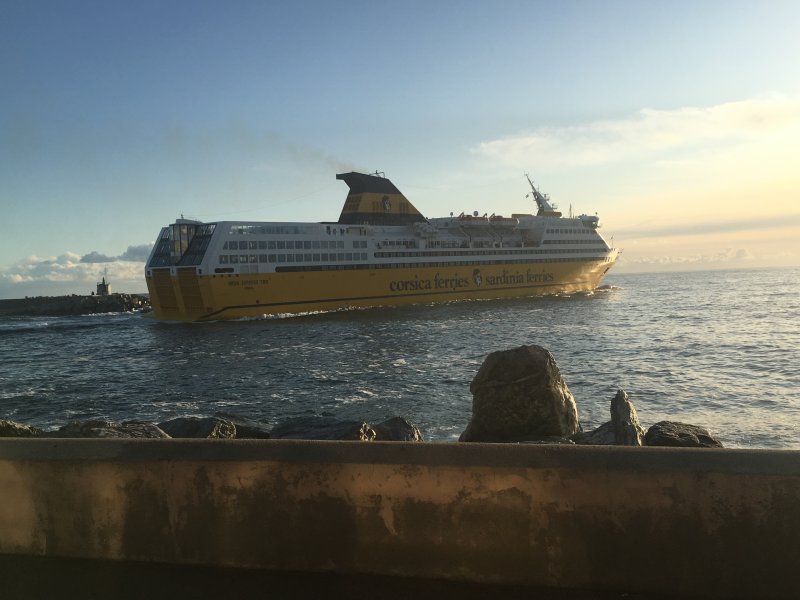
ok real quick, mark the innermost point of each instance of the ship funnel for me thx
(375, 200)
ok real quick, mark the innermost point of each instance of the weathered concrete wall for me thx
(715, 523)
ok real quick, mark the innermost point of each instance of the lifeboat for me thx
(473, 221)
(501, 221)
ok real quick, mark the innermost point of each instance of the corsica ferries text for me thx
(457, 281)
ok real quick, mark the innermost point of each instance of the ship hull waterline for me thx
(180, 294)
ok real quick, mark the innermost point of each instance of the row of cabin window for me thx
(233, 259)
(267, 229)
(583, 231)
(290, 245)
(442, 264)
(398, 243)
(446, 244)
(570, 241)
(495, 252)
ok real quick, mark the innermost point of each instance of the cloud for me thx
(137, 253)
(649, 134)
(709, 227)
(728, 256)
(95, 257)
(133, 253)
(68, 273)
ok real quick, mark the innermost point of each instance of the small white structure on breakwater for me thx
(103, 288)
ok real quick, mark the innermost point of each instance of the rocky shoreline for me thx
(519, 396)
(227, 426)
(63, 306)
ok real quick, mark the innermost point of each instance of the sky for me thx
(678, 123)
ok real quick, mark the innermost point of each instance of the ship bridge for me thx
(183, 243)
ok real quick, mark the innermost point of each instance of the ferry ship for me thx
(380, 252)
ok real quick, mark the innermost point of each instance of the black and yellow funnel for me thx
(374, 200)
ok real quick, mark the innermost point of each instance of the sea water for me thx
(717, 349)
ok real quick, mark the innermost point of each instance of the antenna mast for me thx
(542, 201)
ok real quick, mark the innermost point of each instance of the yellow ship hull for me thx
(181, 294)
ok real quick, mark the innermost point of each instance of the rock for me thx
(199, 427)
(622, 430)
(247, 428)
(519, 395)
(322, 428)
(627, 430)
(397, 429)
(602, 436)
(11, 429)
(670, 433)
(108, 429)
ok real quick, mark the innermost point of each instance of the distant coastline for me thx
(58, 306)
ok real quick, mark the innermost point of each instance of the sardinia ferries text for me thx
(476, 279)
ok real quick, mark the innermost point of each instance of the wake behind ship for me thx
(380, 252)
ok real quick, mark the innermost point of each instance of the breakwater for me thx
(59, 306)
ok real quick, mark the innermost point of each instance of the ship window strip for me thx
(438, 265)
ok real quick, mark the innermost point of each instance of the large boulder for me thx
(108, 429)
(13, 429)
(519, 395)
(247, 428)
(199, 427)
(682, 435)
(322, 428)
(397, 429)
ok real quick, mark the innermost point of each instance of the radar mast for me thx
(542, 201)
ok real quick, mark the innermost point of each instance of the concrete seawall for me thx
(711, 523)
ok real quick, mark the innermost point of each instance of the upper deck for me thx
(392, 234)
